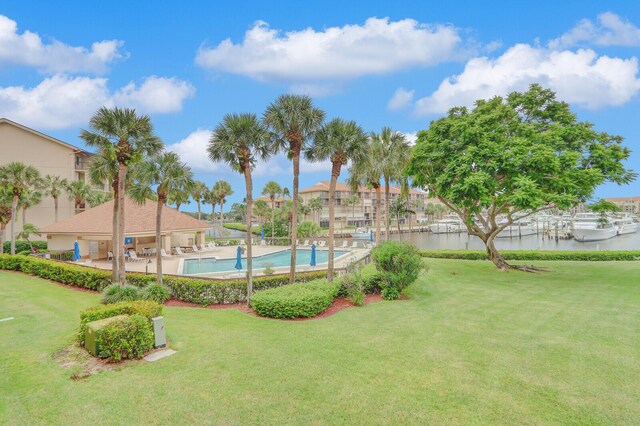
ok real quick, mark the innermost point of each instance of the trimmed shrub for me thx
(352, 287)
(590, 256)
(295, 300)
(121, 293)
(156, 292)
(22, 246)
(126, 338)
(145, 308)
(399, 265)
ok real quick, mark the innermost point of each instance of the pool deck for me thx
(173, 265)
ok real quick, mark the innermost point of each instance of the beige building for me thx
(93, 229)
(363, 213)
(628, 205)
(50, 156)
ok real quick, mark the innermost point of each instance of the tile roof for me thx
(341, 186)
(139, 219)
(614, 199)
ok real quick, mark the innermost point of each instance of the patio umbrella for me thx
(262, 233)
(76, 251)
(313, 255)
(239, 259)
(371, 235)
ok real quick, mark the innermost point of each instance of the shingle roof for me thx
(614, 199)
(340, 186)
(139, 219)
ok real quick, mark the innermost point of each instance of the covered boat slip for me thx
(92, 230)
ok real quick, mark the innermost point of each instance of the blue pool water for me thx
(279, 259)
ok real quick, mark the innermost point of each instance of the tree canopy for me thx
(512, 157)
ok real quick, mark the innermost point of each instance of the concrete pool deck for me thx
(173, 265)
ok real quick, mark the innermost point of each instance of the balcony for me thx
(82, 164)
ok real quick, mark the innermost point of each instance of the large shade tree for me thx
(338, 141)
(53, 186)
(272, 189)
(241, 140)
(221, 190)
(17, 178)
(123, 137)
(156, 178)
(512, 157)
(293, 121)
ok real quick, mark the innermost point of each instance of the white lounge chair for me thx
(178, 250)
(243, 243)
(305, 244)
(263, 243)
(109, 256)
(194, 248)
(345, 244)
(314, 243)
(322, 244)
(133, 256)
(163, 253)
(354, 245)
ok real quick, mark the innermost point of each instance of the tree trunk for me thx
(387, 217)
(160, 204)
(494, 255)
(24, 216)
(273, 219)
(199, 211)
(14, 212)
(213, 213)
(249, 185)
(294, 215)
(115, 261)
(221, 219)
(122, 175)
(55, 208)
(377, 214)
(398, 225)
(335, 172)
(3, 227)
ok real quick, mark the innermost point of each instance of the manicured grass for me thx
(471, 345)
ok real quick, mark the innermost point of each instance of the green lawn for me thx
(471, 345)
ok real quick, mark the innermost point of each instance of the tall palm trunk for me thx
(199, 211)
(335, 172)
(294, 215)
(249, 185)
(122, 175)
(159, 206)
(221, 218)
(14, 212)
(115, 237)
(377, 213)
(387, 217)
(213, 213)
(55, 208)
(273, 218)
(24, 216)
(3, 227)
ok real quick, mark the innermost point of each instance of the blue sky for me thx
(400, 64)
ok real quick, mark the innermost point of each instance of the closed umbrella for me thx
(262, 233)
(371, 235)
(313, 255)
(239, 259)
(76, 251)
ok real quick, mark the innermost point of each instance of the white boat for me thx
(592, 227)
(361, 234)
(519, 228)
(450, 224)
(625, 225)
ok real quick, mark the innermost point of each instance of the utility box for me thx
(93, 333)
(158, 332)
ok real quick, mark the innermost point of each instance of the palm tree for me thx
(222, 190)
(28, 230)
(393, 154)
(338, 141)
(368, 172)
(212, 198)
(315, 205)
(400, 207)
(17, 178)
(179, 196)
(53, 187)
(352, 201)
(98, 197)
(262, 209)
(293, 120)
(6, 198)
(240, 140)
(272, 189)
(79, 192)
(30, 198)
(198, 193)
(286, 193)
(123, 138)
(166, 173)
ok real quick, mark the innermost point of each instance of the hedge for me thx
(145, 308)
(295, 300)
(195, 290)
(535, 255)
(24, 246)
(126, 338)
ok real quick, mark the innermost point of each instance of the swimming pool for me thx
(278, 259)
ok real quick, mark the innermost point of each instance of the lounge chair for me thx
(354, 245)
(305, 244)
(322, 244)
(163, 253)
(243, 243)
(109, 256)
(314, 243)
(178, 250)
(263, 243)
(194, 248)
(133, 256)
(345, 244)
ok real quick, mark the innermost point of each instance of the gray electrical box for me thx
(158, 332)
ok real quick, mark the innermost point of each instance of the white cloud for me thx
(62, 101)
(582, 78)
(379, 46)
(155, 94)
(401, 99)
(412, 137)
(28, 49)
(609, 30)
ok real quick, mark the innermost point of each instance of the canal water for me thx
(431, 241)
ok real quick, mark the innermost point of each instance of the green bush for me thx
(295, 300)
(146, 308)
(308, 229)
(116, 293)
(399, 265)
(156, 292)
(280, 228)
(352, 287)
(589, 256)
(22, 246)
(126, 338)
